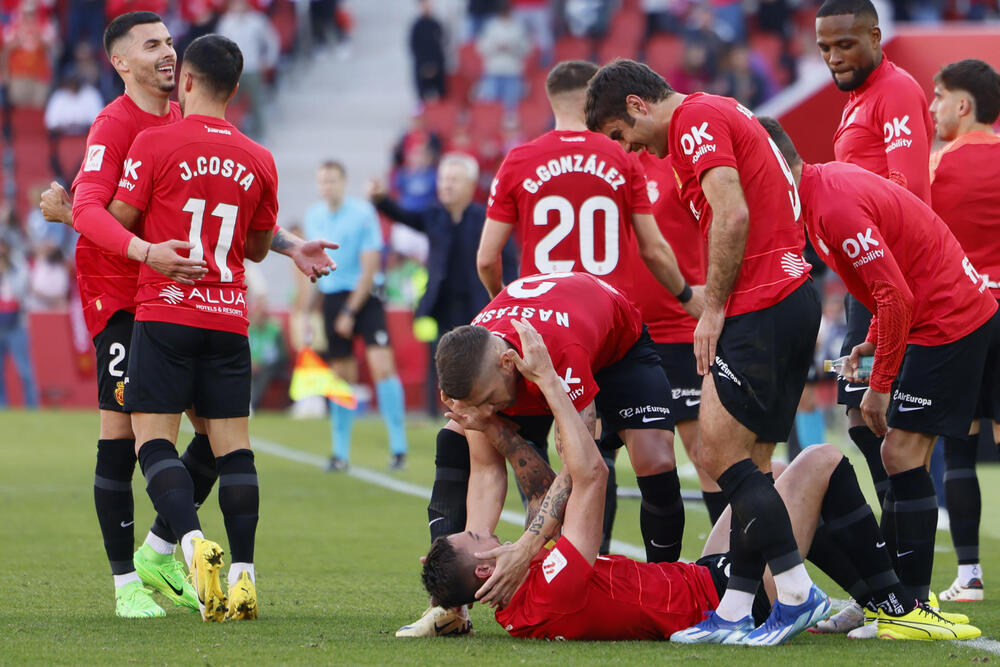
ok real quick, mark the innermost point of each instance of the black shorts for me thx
(989, 391)
(678, 362)
(634, 393)
(718, 567)
(859, 319)
(762, 360)
(173, 367)
(112, 345)
(937, 388)
(369, 323)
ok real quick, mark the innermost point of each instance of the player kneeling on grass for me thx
(199, 179)
(570, 592)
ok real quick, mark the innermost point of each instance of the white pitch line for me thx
(981, 644)
(393, 484)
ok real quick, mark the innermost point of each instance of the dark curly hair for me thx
(613, 83)
(449, 576)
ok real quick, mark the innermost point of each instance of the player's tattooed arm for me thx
(533, 474)
(310, 257)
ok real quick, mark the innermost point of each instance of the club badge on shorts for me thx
(120, 392)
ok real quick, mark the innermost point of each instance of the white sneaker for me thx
(439, 622)
(970, 591)
(850, 617)
(867, 631)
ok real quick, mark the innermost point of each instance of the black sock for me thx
(826, 554)
(610, 504)
(761, 515)
(661, 516)
(916, 523)
(239, 500)
(446, 511)
(113, 501)
(871, 446)
(169, 486)
(200, 463)
(962, 495)
(850, 522)
(887, 526)
(715, 503)
(747, 570)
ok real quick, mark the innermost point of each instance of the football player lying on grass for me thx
(569, 592)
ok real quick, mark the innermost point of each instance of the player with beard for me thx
(108, 257)
(570, 592)
(929, 337)
(885, 128)
(200, 179)
(964, 177)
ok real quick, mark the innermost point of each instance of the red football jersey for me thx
(586, 323)
(667, 320)
(872, 232)
(564, 597)
(570, 196)
(709, 131)
(202, 181)
(964, 191)
(886, 128)
(107, 282)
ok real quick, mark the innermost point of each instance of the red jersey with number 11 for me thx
(199, 180)
(708, 131)
(586, 324)
(570, 196)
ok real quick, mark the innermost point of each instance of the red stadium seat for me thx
(615, 48)
(770, 46)
(441, 116)
(285, 23)
(664, 53)
(31, 157)
(534, 118)
(486, 119)
(573, 48)
(627, 26)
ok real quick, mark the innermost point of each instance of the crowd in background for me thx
(478, 71)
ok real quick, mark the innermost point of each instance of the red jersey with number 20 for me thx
(200, 180)
(666, 318)
(570, 196)
(107, 282)
(564, 597)
(708, 131)
(586, 324)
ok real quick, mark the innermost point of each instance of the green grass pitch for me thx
(337, 563)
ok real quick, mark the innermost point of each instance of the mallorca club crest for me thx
(120, 392)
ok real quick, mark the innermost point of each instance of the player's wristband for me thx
(347, 311)
(685, 294)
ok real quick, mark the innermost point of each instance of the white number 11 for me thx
(227, 213)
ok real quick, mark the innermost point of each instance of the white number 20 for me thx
(567, 217)
(228, 214)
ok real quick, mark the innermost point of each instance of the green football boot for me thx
(165, 574)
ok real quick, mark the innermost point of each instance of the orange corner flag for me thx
(312, 377)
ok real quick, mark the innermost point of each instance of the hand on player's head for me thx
(534, 362)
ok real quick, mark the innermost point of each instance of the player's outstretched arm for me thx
(726, 244)
(659, 257)
(575, 445)
(310, 257)
(489, 258)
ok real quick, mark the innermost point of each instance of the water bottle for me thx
(838, 365)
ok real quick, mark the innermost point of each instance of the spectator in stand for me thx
(28, 43)
(48, 279)
(415, 134)
(663, 15)
(414, 181)
(587, 18)
(84, 25)
(536, 17)
(427, 47)
(253, 33)
(773, 16)
(730, 20)
(739, 78)
(503, 46)
(694, 73)
(700, 28)
(73, 106)
(200, 18)
(352, 307)
(13, 329)
(453, 225)
(480, 11)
